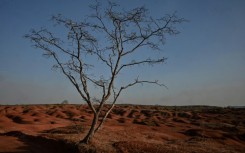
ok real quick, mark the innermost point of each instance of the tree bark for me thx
(91, 132)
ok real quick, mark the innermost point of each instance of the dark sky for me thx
(205, 66)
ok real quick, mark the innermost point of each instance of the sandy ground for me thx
(129, 128)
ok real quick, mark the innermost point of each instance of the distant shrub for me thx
(52, 122)
(65, 102)
(184, 114)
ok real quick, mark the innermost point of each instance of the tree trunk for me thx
(104, 118)
(91, 132)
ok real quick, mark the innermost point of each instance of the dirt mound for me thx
(194, 132)
(76, 129)
(18, 119)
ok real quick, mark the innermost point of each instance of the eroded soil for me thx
(129, 128)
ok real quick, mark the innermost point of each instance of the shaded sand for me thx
(129, 128)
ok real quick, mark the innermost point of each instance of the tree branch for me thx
(147, 61)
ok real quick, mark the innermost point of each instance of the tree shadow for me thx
(39, 144)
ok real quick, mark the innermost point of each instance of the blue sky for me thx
(205, 66)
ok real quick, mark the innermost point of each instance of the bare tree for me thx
(112, 37)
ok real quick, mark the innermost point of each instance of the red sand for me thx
(129, 128)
